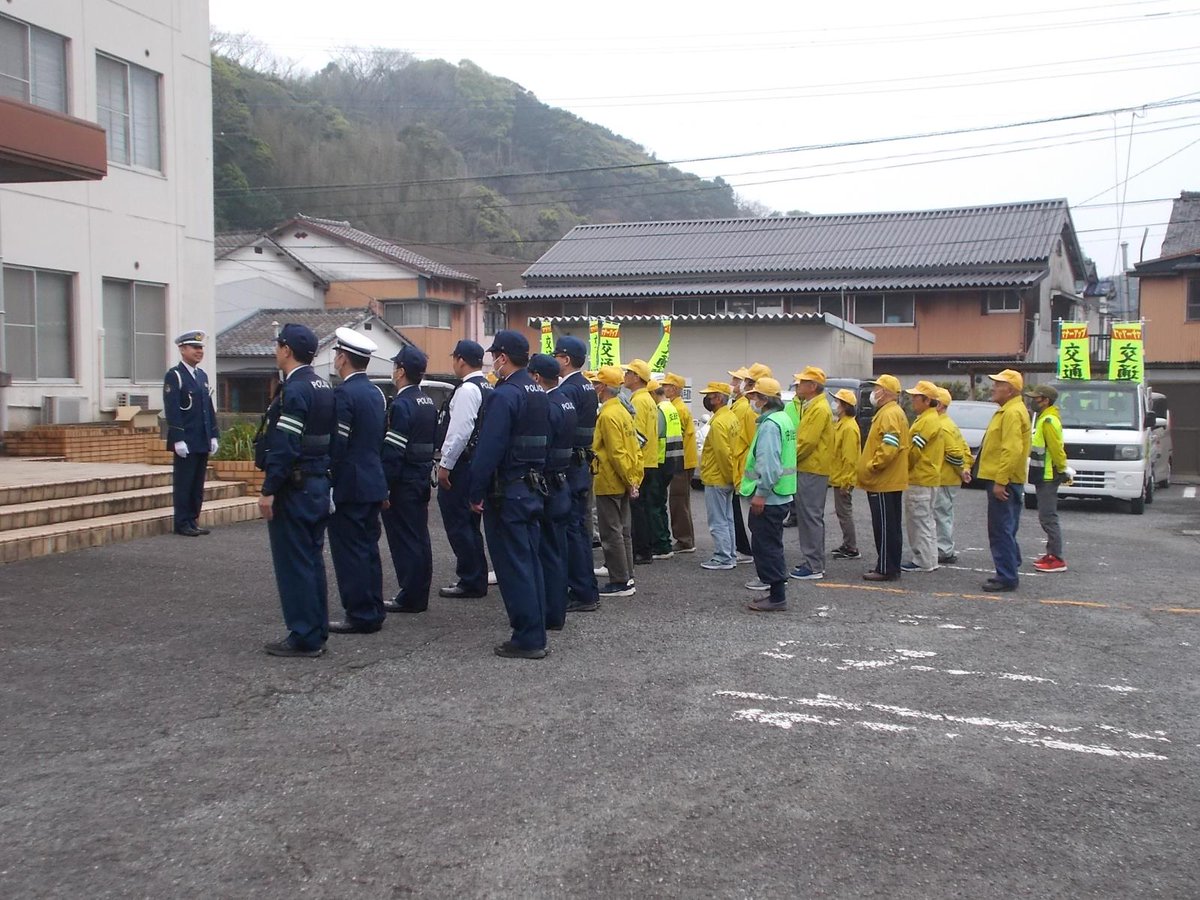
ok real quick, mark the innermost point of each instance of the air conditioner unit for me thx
(63, 410)
(126, 399)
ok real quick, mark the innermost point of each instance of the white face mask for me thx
(756, 405)
(875, 398)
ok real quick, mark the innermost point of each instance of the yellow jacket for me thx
(645, 420)
(883, 464)
(847, 445)
(749, 418)
(956, 457)
(1004, 454)
(814, 437)
(926, 450)
(618, 459)
(689, 433)
(723, 446)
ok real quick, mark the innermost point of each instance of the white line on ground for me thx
(1189, 492)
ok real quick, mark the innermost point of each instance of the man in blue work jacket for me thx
(293, 450)
(582, 591)
(508, 486)
(408, 464)
(543, 369)
(359, 487)
(191, 431)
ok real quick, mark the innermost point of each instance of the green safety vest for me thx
(670, 442)
(786, 486)
(794, 410)
(1038, 453)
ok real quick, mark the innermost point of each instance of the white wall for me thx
(247, 281)
(133, 224)
(334, 261)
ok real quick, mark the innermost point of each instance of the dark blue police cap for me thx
(412, 360)
(572, 346)
(544, 365)
(509, 342)
(470, 352)
(300, 338)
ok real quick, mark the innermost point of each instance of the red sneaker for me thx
(1050, 563)
(1041, 559)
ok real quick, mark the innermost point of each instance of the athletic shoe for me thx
(666, 555)
(765, 605)
(577, 606)
(913, 567)
(616, 589)
(843, 553)
(947, 559)
(601, 572)
(1050, 563)
(679, 548)
(744, 558)
(804, 573)
(1042, 558)
(757, 585)
(715, 565)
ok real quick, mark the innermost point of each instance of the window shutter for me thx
(146, 132)
(49, 71)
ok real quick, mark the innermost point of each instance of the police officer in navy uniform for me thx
(582, 590)
(293, 450)
(508, 486)
(556, 516)
(191, 431)
(359, 487)
(463, 419)
(408, 465)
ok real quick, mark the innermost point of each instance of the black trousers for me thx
(741, 540)
(406, 522)
(886, 524)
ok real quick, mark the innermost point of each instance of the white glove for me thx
(181, 449)
(1070, 473)
(212, 445)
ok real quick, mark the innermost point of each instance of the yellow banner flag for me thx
(658, 362)
(1126, 354)
(609, 351)
(593, 341)
(1074, 360)
(547, 337)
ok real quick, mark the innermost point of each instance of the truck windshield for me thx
(1095, 406)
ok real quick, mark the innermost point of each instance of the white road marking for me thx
(1052, 744)
(1189, 492)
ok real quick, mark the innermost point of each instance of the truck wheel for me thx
(1030, 500)
(1138, 506)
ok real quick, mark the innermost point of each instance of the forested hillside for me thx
(429, 151)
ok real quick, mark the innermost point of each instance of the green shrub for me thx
(237, 442)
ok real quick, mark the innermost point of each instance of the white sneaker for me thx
(744, 558)
(757, 585)
(715, 565)
(492, 577)
(666, 555)
(600, 572)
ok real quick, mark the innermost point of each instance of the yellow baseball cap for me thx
(739, 373)
(717, 387)
(926, 389)
(757, 371)
(888, 383)
(640, 368)
(766, 386)
(944, 397)
(810, 373)
(846, 396)
(609, 375)
(653, 386)
(1010, 376)
(674, 380)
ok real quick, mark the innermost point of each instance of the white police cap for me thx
(351, 341)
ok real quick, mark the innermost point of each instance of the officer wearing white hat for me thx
(191, 431)
(359, 487)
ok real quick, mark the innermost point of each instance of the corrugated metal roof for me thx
(1008, 234)
(385, 248)
(795, 286)
(255, 334)
(733, 319)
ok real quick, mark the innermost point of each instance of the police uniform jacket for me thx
(300, 422)
(354, 451)
(408, 444)
(513, 437)
(583, 396)
(188, 409)
(563, 418)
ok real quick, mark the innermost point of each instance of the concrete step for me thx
(62, 488)
(92, 506)
(28, 543)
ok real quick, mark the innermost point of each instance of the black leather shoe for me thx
(353, 628)
(200, 530)
(395, 604)
(880, 576)
(509, 650)
(948, 560)
(287, 648)
(557, 627)
(401, 608)
(1000, 586)
(189, 531)
(455, 590)
(576, 606)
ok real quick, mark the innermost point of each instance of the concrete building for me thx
(99, 276)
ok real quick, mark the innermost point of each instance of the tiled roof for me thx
(944, 239)
(255, 334)
(382, 247)
(229, 241)
(1183, 231)
(819, 285)
(723, 319)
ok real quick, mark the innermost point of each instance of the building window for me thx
(33, 65)
(831, 303)
(37, 324)
(417, 314)
(1003, 302)
(1193, 300)
(769, 306)
(135, 330)
(128, 106)
(494, 318)
(686, 307)
(711, 306)
(597, 309)
(883, 309)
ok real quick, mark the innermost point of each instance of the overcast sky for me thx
(731, 80)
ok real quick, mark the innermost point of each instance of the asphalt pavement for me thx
(910, 740)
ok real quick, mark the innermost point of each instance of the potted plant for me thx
(234, 459)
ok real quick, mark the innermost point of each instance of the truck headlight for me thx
(1129, 451)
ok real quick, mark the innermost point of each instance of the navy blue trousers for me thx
(406, 522)
(297, 535)
(187, 487)
(1003, 520)
(513, 529)
(354, 546)
(886, 514)
(552, 551)
(766, 544)
(462, 530)
(581, 566)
